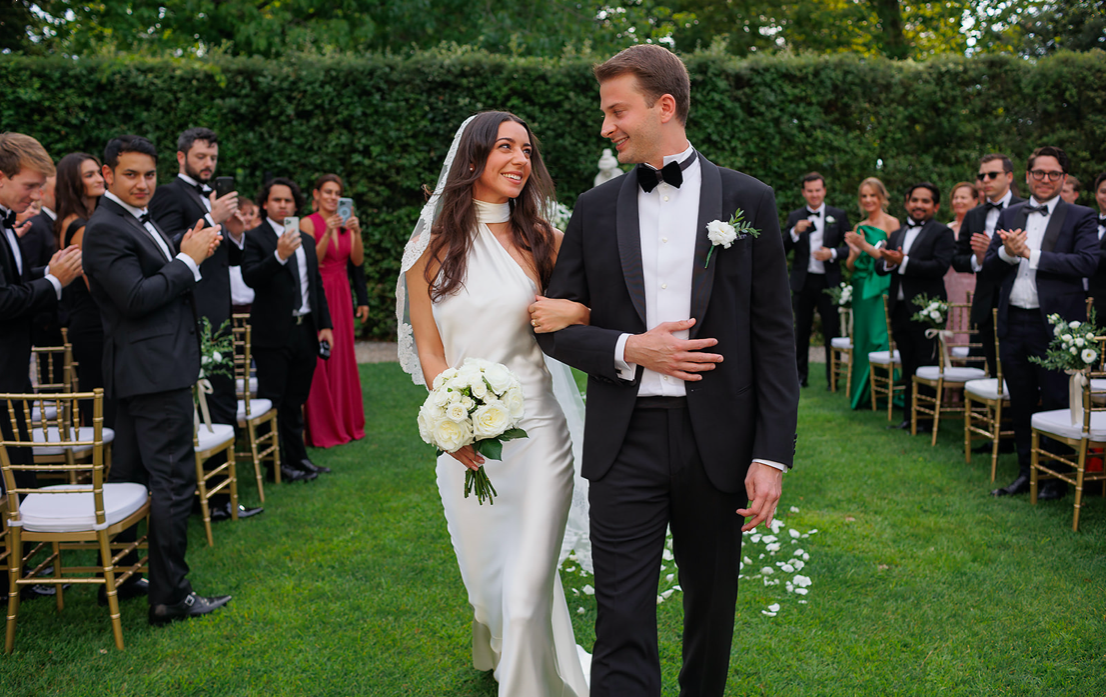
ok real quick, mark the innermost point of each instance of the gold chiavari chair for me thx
(1088, 431)
(841, 355)
(943, 378)
(882, 367)
(68, 517)
(208, 439)
(254, 412)
(985, 420)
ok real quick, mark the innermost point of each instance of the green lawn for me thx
(922, 584)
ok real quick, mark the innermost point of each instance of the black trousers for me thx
(284, 376)
(153, 446)
(1029, 384)
(915, 350)
(804, 302)
(658, 480)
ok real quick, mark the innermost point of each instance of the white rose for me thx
(721, 233)
(440, 396)
(444, 377)
(1079, 341)
(1066, 338)
(498, 377)
(479, 389)
(451, 436)
(935, 315)
(830, 220)
(1074, 351)
(455, 396)
(1090, 337)
(1074, 325)
(490, 420)
(468, 403)
(429, 415)
(457, 413)
(1089, 355)
(516, 405)
(217, 357)
(1056, 331)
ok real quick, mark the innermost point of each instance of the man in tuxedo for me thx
(289, 316)
(143, 286)
(177, 207)
(1072, 188)
(38, 245)
(1097, 283)
(816, 233)
(996, 174)
(1039, 256)
(917, 257)
(692, 390)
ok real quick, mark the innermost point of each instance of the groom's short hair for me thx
(658, 71)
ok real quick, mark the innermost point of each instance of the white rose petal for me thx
(659, 600)
(774, 547)
(667, 555)
(721, 233)
(794, 509)
(799, 552)
(457, 413)
(767, 570)
(801, 591)
(588, 590)
(794, 533)
(774, 607)
(498, 377)
(451, 436)
(579, 611)
(490, 420)
(802, 581)
(1074, 325)
(669, 577)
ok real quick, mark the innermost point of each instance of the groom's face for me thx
(631, 124)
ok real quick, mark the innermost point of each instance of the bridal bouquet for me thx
(1073, 347)
(934, 312)
(479, 404)
(842, 295)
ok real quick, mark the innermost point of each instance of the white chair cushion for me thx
(52, 436)
(932, 372)
(220, 434)
(75, 512)
(36, 413)
(883, 357)
(253, 385)
(959, 351)
(987, 388)
(841, 342)
(258, 407)
(1058, 422)
(1098, 384)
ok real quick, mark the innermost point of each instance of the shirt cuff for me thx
(191, 265)
(833, 255)
(53, 281)
(625, 370)
(794, 235)
(282, 262)
(976, 266)
(902, 265)
(1002, 254)
(781, 467)
(1034, 259)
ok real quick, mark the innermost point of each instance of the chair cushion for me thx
(841, 342)
(883, 357)
(932, 372)
(987, 388)
(253, 385)
(83, 433)
(258, 407)
(220, 434)
(959, 351)
(1058, 422)
(75, 512)
(36, 413)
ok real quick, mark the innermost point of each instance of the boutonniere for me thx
(830, 220)
(725, 234)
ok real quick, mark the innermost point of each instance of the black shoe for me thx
(804, 383)
(904, 426)
(221, 513)
(309, 466)
(1052, 490)
(192, 606)
(287, 474)
(1018, 486)
(138, 588)
(39, 590)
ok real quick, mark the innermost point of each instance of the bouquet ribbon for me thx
(944, 335)
(203, 388)
(1076, 383)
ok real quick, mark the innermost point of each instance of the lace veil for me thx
(564, 385)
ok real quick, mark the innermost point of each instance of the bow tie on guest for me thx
(8, 220)
(813, 214)
(1102, 220)
(672, 174)
(144, 218)
(911, 223)
(992, 205)
(1042, 209)
(202, 189)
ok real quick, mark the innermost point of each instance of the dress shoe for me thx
(1052, 490)
(804, 383)
(287, 474)
(1018, 486)
(138, 588)
(309, 466)
(221, 513)
(904, 426)
(192, 606)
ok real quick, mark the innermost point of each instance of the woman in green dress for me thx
(869, 325)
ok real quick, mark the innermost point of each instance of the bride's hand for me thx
(468, 457)
(552, 315)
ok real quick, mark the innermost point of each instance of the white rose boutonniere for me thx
(725, 234)
(830, 220)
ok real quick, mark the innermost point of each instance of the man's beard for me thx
(196, 175)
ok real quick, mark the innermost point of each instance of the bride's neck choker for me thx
(491, 213)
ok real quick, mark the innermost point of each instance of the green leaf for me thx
(490, 448)
(513, 434)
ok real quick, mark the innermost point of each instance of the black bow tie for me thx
(1102, 220)
(8, 220)
(1042, 209)
(992, 205)
(812, 214)
(144, 218)
(672, 174)
(911, 223)
(202, 189)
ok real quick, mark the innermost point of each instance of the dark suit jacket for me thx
(930, 256)
(833, 237)
(176, 207)
(150, 340)
(39, 244)
(744, 409)
(21, 297)
(271, 314)
(1069, 253)
(985, 293)
(1096, 284)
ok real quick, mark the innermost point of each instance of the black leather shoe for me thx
(309, 466)
(1018, 486)
(221, 513)
(192, 606)
(1052, 490)
(804, 383)
(287, 474)
(139, 588)
(904, 426)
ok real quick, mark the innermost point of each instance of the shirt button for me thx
(665, 378)
(664, 286)
(665, 198)
(664, 239)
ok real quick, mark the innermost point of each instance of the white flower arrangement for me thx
(1073, 347)
(479, 404)
(933, 312)
(725, 234)
(842, 295)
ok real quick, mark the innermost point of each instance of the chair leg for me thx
(1034, 461)
(913, 410)
(251, 439)
(967, 429)
(937, 411)
(59, 596)
(201, 491)
(849, 378)
(997, 431)
(15, 570)
(233, 474)
(833, 370)
(890, 391)
(109, 586)
(1079, 484)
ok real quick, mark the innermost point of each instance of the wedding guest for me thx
(38, 244)
(996, 175)
(334, 413)
(1072, 188)
(816, 233)
(79, 188)
(869, 324)
(290, 317)
(1039, 256)
(1097, 283)
(962, 199)
(241, 295)
(917, 257)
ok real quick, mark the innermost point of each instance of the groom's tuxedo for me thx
(655, 460)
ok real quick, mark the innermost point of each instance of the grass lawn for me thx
(922, 584)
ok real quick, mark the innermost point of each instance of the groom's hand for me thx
(763, 485)
(662, 352)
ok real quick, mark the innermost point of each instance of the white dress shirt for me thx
(989, 224)
(207, 202)
(1101, 227)
(668, 218)
(156, 236)
(816, 235)
(52, 214)
(301, 264)
(1024, 292)
(912, 231)
(17, 254)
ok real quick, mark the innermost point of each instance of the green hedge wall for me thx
(384, 123)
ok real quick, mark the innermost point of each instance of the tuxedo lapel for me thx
(629, 241)
(1019, 219)
(144, 234)
(1055, 222)
(710, 208)
(194, 196)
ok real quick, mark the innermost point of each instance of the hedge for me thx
(384, 122)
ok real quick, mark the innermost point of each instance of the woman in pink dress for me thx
(963, 198)
(334, 412)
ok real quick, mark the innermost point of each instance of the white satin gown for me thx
(508, 552)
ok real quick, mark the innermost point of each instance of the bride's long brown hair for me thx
(451, 239)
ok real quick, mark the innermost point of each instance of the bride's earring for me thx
(471, 168)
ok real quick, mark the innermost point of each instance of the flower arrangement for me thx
(842, 295)
(216, 350)
(1073, 346)
(725, 234)
(479, 404)
(934, 312)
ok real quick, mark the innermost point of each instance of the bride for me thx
(479, 255)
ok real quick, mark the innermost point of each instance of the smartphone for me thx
(223, 186)
(345, 208)
(324, 350)
(291, 223)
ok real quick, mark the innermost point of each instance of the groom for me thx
(692, 391)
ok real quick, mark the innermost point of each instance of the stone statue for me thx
(608, 168)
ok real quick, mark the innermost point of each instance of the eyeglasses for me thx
(988, 175)
(1040, 174)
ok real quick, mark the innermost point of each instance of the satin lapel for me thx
(1055, 222)
(710, 208)
(6, 255)
(1019, 219)
(629, 241)
(196, 199)
(144, 235)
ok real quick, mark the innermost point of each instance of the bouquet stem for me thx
(477, 481)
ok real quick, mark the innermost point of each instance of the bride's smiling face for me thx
(508, 165)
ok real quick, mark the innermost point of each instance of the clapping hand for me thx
(854, 241)
(200, 242)
(892, 257)
(65, 265)
(822, 254)
(1015, 242)
(980, 243)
